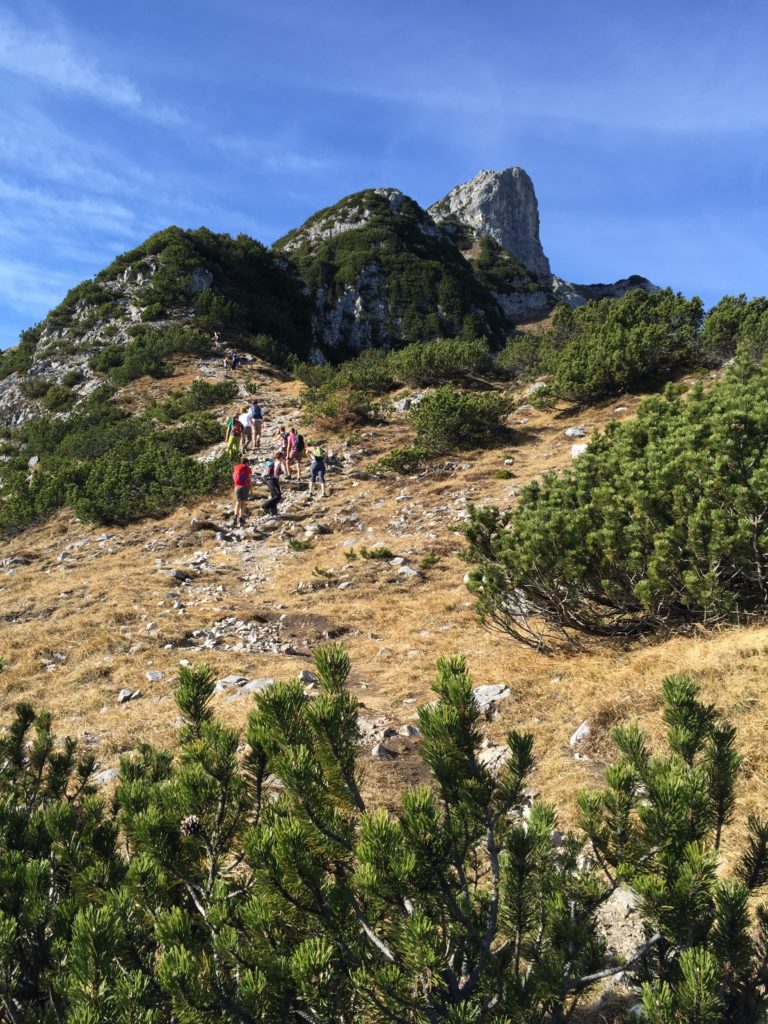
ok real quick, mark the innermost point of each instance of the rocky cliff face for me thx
(65, 346)
(374, 270)
(379, 271)
(503, 206)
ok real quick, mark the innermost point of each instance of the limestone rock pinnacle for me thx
(501, 204)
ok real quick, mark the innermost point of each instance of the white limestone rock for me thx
(503, 205)
(582, 733)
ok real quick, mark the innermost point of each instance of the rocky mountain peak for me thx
(502, 205)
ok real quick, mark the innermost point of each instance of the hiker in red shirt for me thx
(241, 476)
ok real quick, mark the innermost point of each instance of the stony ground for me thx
(90, 614)
(97, 621)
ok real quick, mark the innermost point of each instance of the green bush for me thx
(400, 460)
(419, 364)
(152, 311)
(333, 410)
(261, 887)
(112, 467)
(72, 378)
(735, 324)
(370, 371)
(440, 361)
(604, 347)
(147, 352)
(295, 544)
(200, 395)
(379, 553)
(58, 398)
(34, 387)
(315, 375)
(137, 480)
(19, 358)
(271, 351)
(526, 357)
(657, 526)
(429, 560)
(107, 357)
(446, 419)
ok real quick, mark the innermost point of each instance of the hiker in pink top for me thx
(294, 452)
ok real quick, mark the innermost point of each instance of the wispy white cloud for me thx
(269, 155)
(29, 288)
(40, 56)
(87, 212)
(58, 64)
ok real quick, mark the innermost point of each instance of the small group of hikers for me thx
(244, 430)
(273, 470)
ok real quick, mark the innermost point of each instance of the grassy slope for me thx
(94, 604)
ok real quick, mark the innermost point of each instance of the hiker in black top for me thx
(316, 468)
(269, 476)
(257, 421)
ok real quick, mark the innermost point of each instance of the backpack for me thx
(300, 446)
(237, 428)
(242, 475)
(269, 469)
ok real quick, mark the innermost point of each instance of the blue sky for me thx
(644, 129)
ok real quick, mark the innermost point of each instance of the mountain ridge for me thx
(374, 270)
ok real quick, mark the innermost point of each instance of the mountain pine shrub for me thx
(332, 409)
(407, 460)
(259, 887)
(59, 398)
(440, 361)
(660, 524)
(736, 324)
(446, 419)
(658, 826)
(113, 467)
(606, 346)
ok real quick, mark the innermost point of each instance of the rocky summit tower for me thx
(502, 205)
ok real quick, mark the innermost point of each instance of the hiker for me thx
(282, 440)
(234, 359)
(257, 422)
(241, 476)
(245, 422)
(294, 452)
(234, 435)
(316, 468)
(269, 476)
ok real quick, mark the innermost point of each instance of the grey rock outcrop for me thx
(503, 205)
(580, 294)
(356, 317)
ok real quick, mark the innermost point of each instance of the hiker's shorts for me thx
(241, 493)
(317, 472)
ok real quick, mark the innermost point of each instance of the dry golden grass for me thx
(95, 610)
